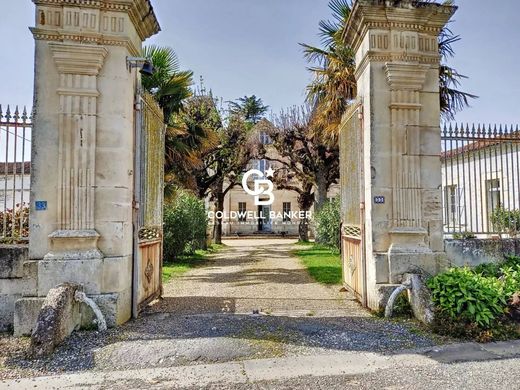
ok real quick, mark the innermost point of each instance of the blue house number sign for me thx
(41, 205)
(379, 199)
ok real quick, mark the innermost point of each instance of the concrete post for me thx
(397, 59)
(83, 148)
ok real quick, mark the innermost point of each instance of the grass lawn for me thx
(323, 266)
(185, 263)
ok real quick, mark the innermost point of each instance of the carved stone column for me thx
(397, 72)
(78, 67)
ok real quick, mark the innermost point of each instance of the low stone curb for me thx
(348, 363)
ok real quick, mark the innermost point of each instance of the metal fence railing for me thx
(481, 180)
(15, 171)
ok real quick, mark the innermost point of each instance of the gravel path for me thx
(252, 275)
(209, 316)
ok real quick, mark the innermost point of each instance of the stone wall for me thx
(473, 252)
(12, 262)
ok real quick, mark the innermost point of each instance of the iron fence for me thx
(15, 171)
(481, 180)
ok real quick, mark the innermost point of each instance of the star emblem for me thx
(269, 172)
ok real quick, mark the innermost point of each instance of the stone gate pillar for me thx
(83, 151)
(397, 59)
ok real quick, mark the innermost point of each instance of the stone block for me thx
(11, 286)
(420, 298)
(473, 252)
(431, 205)
(381, 267)
(87, 273)
(113, 204)
(431, 172)
(436, 235)
(12, 258)
(59, 316)
(7, 302)
(116, 308)
(115, 173)
(402, 260)
(30, 277)
(431, 142)
(117, 274)
(116, 238)
(26, 312)
(378, 295)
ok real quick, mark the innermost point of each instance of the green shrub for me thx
(506, 221)
(511, 280)
(465, 295)
(185, 225)
(508, 272)
(328, 225)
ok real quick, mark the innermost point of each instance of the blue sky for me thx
(244, 47)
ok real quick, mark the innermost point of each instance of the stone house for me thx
(478, 178)
(243, 217)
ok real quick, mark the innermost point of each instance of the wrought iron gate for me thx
(148, 201)
(352, 204)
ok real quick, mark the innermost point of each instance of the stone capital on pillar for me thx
(397, 71)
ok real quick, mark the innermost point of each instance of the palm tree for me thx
(250, 108)
(333, 66)
(169, 85)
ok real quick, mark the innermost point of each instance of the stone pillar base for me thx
(409, 253)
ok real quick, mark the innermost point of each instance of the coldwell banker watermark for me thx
(258, 185)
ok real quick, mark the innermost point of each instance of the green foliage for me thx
(402, 307)
(169, 85)
(185, 225)
(495, 269)
(328, 225)
(502, 329)
(511, 280)
(463, 294)
(249, 108)
(506, 221)
(322, 265)
(464, 236)
(474, 304)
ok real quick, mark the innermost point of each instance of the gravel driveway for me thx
(252, 300)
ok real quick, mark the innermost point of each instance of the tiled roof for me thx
(20, 167)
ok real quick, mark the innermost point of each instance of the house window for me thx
(286, 211)
(494, 199)
(242, 211)
(265, 139)
(262, 165)
(451, 205)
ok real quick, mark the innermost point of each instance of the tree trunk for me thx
(219, 209)
(303, 229)
(321, 189)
